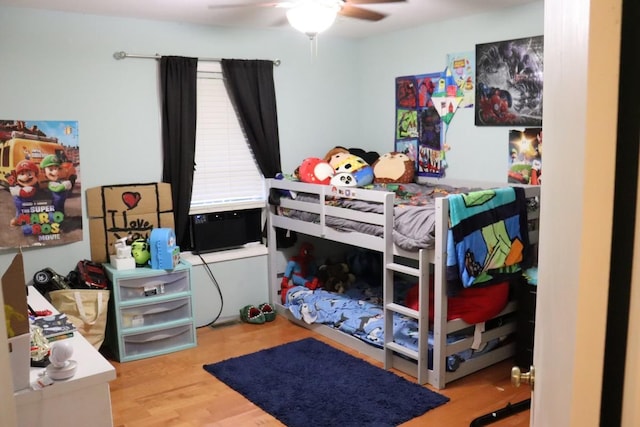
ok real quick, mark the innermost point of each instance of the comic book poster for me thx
(40, 176)
(406, 92)
(463, 68)
(430, 128)
(410, 148)
(430, 161)
(406, 124)
(525, 156)
(509, 80)
(418, 123)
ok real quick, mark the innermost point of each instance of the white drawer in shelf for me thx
(149, 287)
(155, 313)
(159, 341)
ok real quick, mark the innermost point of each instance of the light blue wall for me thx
(478, 153)
(59, 66)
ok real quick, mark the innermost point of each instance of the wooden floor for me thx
(174, 390)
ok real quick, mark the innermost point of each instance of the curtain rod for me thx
(123, 55)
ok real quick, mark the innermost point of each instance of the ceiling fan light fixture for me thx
(313, 17)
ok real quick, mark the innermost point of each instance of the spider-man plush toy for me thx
(300, 271)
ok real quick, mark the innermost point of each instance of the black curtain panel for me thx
(178, 82)
(252, 92)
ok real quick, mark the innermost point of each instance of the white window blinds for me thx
(226, 175)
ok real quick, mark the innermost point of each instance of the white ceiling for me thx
(411, 13)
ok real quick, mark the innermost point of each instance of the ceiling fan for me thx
(314, 16)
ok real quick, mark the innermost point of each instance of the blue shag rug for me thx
(309, 383)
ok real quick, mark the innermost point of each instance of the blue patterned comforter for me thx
(359, 313)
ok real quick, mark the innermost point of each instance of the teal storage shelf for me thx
(150, 312)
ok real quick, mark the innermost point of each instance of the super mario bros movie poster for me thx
(40, 178)
(525, 156)
(509, 82)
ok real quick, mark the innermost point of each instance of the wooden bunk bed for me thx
(428, 364)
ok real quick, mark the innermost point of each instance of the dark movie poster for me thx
(40, 199)
(509, 77)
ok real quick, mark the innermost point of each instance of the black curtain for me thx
(178, 82)
(252, 92)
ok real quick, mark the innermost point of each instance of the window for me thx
(226, 174)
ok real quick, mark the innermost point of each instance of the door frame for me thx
(581, 51)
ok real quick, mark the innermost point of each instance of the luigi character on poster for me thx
(39, 202)
(39, 168)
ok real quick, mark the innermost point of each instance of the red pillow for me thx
(315, 171)
(473, 305)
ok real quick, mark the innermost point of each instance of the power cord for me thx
(215, 283)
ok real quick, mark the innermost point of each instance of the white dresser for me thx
(83, 399)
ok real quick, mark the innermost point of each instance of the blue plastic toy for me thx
(165, 255)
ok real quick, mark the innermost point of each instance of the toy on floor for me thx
(300, 271)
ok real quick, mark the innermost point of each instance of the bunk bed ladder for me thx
(387, 280)
(437, 376)
(421, 356)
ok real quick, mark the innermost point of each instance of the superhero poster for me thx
(509, 77)
(40, 198)
(418, 123)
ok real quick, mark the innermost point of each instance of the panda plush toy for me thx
(344, 179)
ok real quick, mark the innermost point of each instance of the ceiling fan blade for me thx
(280, 22)
(244, 5)
(374, 1)
(358, 13)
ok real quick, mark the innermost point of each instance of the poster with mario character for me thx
(525, 156)
(40, 176)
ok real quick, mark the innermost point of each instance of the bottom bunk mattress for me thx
(359, 313)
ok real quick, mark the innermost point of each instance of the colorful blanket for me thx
(359, 313)
(487, 237)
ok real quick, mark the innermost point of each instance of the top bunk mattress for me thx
(414, 210)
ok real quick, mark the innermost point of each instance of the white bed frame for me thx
(395, 259)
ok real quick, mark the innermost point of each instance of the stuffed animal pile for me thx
(335, 276)
(340, 273)
(356, 168)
